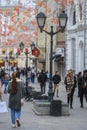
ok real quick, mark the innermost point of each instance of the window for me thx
(74, 17)
(80, 9)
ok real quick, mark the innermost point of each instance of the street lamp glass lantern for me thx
(41, 19)
(32, 46)
(63, 19)
(21, 45)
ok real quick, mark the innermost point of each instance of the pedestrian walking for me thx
(32, 77)
(5, 82)
(15, 90)
(71, 83)
(79, 75)
(48, 76)
(56, 80)
(83, 87)
(28, 77)
(42, 78)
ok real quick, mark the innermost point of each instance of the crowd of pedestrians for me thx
(14, 84)
(71, 82)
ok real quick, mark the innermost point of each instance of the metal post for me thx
(50, 92)
(26, 69)
(26, 53)
(45, 50)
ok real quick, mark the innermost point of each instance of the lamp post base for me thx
(50, 95)
(50, 92)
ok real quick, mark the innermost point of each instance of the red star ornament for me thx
(36, 52)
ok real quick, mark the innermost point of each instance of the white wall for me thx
(75, 41)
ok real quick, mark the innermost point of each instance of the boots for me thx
(82, 105)
(68, 100)
(71, 106)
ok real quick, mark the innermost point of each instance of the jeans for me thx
(5, 88)
(15, 114)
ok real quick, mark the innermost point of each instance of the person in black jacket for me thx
(42, 78)
(56, 79)
(83, 87)
(79, 75)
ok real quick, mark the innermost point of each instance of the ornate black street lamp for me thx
(21, 45)
(41, 19)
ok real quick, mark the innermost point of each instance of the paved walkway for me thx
(76, 121)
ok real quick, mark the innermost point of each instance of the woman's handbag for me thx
(3, 107)
(22, 101)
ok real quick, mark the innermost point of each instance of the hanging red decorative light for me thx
(36, 52)
(26, 50)
(18, 51)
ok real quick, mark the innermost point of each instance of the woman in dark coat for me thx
(70, 82)
(83, 87)
(15, 90)
(79, 75)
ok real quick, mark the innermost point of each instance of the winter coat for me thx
(42, 78)
(56, 79)
(83, 82)
(0, 91)
(15, 99)
(70, 82)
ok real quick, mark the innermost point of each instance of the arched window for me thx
(80, 10)
(80, 56)
(74, 17)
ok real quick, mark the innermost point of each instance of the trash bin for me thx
(56, 107)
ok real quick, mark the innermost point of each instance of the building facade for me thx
(76, 36)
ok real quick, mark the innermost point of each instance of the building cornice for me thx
(79, 28)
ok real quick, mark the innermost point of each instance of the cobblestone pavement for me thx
(29, 121)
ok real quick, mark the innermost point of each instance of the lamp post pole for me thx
(50, 92)
(26, 53)
(45, 50)
(41, 18)
(9, 57)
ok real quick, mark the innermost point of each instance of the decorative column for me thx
(85, 34)
(69, 54)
